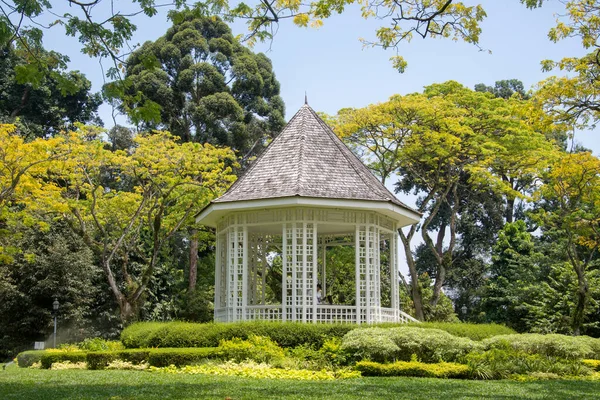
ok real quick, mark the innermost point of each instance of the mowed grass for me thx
(18, 383)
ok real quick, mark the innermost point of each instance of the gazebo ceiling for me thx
(308, 165)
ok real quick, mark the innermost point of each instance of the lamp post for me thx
(463, 309)
(55, 306)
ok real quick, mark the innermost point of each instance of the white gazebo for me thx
(306, 194)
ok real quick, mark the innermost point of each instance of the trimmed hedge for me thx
(180, 357)
(476, 332)
(51, 357)
(394, 344)
(154, 357)
(26, 359)
(413, 368)
(185, 334)
(553, 345)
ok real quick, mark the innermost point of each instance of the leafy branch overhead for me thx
(105, 28)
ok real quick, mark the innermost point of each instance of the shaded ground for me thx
(18, 383)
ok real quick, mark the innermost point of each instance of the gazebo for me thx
(306, 194)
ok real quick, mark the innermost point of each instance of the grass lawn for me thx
(16, 383)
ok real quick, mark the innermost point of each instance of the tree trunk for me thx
(193, 261)
(510, 209)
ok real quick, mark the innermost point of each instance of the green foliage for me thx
(99, 344)
(554, 345)
(413, 368)
(51, 263)
(257, 348)
(502, 363)
(514, 279)
(43, 101)
(472, 331)
(401, 343)
(183, 334)
(49, 357)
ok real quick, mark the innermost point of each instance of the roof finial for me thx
(305, 98)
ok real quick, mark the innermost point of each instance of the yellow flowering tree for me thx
(570, 200)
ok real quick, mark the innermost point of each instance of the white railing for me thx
(325, 313)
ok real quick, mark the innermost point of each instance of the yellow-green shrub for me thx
(553, 345)
(256, 348)
(51, 357)
(254, 370)
(413, 368)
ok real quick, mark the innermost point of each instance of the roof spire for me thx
(305, 98)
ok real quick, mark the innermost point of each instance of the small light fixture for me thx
(463, 309)
(55, 304)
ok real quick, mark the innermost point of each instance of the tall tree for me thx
(571, 204)
(201, 84)
(439, 142)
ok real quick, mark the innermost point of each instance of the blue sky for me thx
(332, 66)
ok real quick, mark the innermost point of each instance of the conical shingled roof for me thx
(307, 159)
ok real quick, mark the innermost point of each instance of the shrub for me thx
(393, 344)
(413, 368)
(28, 358)
(51, 357)
(593, 343)
(184, 334)
(257, 348)
(58, 366)
(503, 363)
(476, 332)
(553, 345)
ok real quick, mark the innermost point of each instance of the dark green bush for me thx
(472, 331)
(179, 357)
(553, 345)
(183, 334)
(28, 358)
(413, 368)
(51, 357)
(401, 343)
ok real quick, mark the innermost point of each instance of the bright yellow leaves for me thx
(573, 186)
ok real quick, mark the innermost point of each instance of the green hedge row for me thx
(285, 334)
(413, 368)
(101, 359)
(184, 334)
